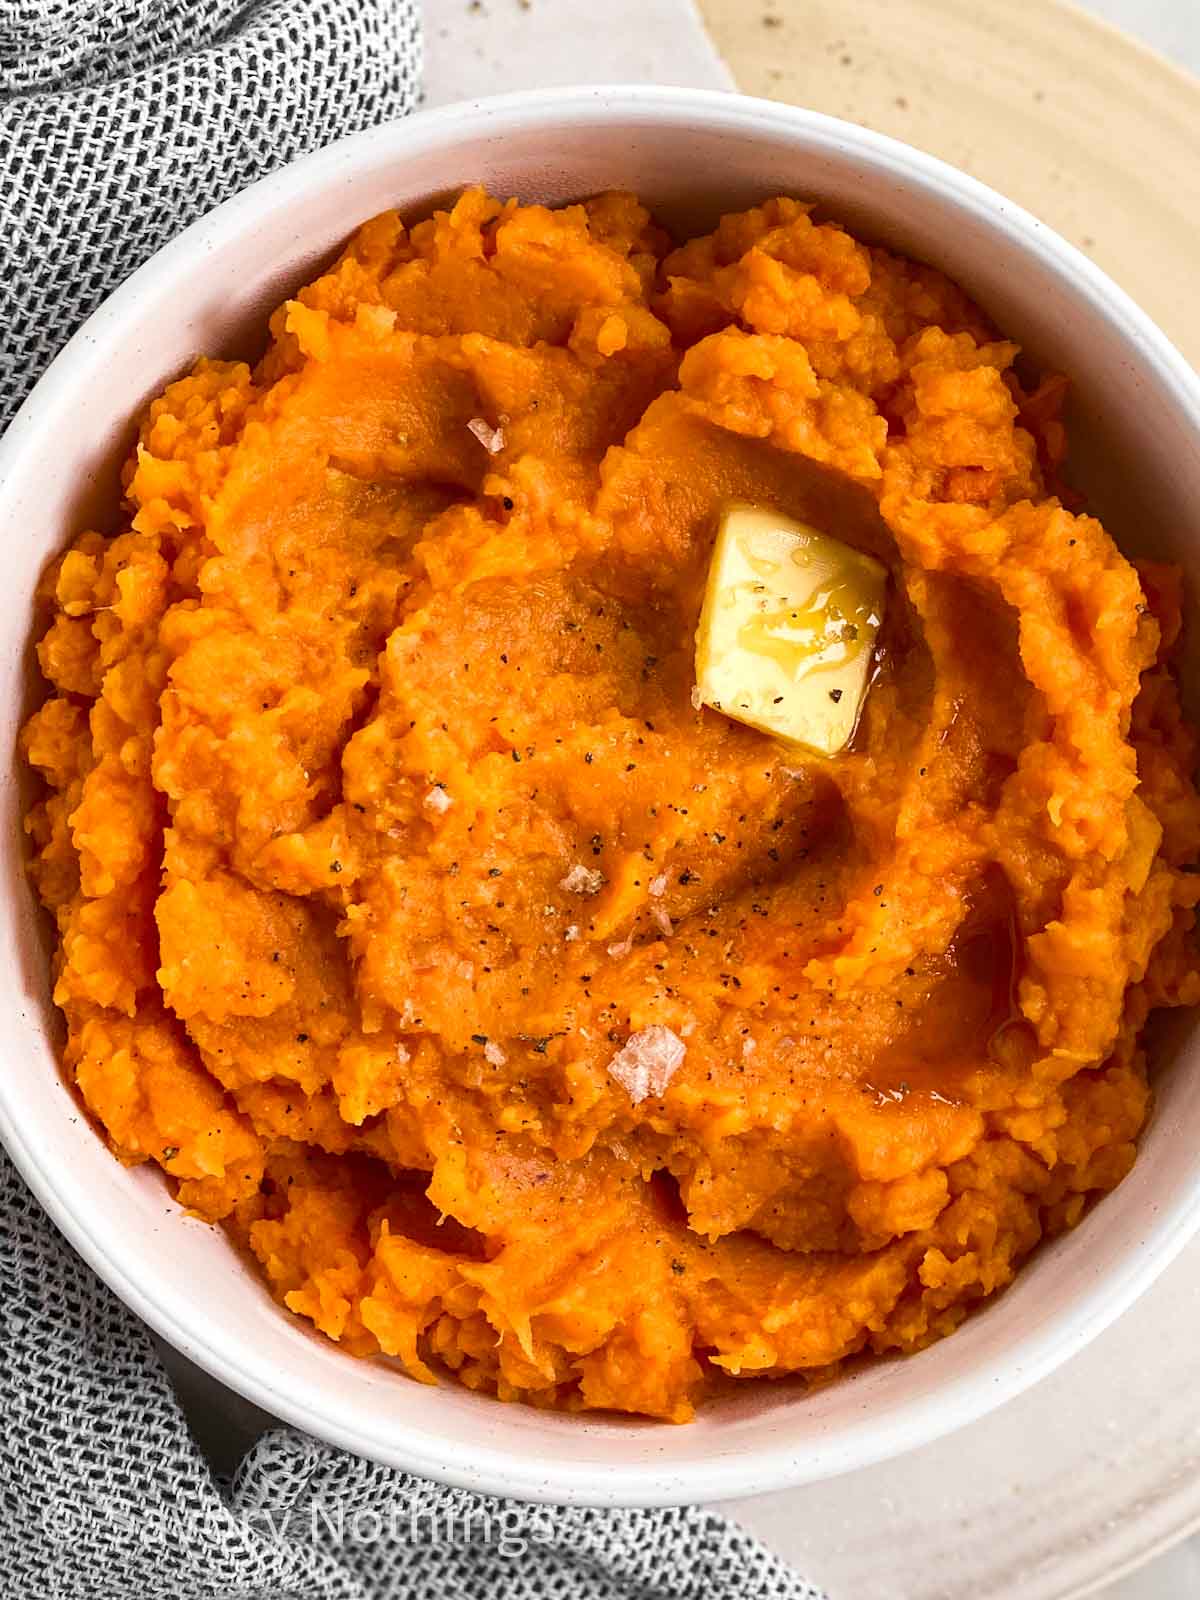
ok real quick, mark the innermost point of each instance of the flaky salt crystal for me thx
(493, 1054)
(572, 933)
(583, 880)
(658, 885)
(662, 921)
(621, 948)
(403, 1054)
(492, 439)
(697, 697)
(437, 800)
(647, 1062)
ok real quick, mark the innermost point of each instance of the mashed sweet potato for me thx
(524, 1021)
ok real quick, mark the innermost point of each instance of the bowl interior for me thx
(691, 156)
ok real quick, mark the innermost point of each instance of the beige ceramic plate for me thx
(1093, 133)
(1091, 1472)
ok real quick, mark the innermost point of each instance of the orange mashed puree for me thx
(379, 818)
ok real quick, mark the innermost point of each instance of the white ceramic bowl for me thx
(692, 155)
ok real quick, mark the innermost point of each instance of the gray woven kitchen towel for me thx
(120, 121)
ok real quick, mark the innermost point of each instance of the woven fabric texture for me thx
(121, 121)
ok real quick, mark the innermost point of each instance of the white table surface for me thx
(1172, 26)
(477, 47)
(480, 47)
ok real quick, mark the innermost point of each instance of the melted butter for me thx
(787, 635)
(831, 629)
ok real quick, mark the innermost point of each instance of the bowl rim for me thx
(507, 1471)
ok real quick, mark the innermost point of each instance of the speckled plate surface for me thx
(1090, 1473)
(1092, 132)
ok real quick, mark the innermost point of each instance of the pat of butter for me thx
(788, 630)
